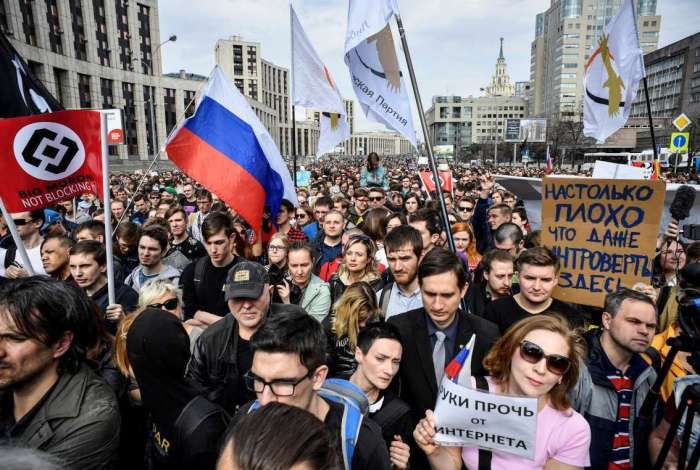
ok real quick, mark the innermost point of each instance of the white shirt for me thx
(34, 255)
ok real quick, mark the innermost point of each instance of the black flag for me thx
(21, 93)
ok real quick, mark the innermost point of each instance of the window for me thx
(103, 51)
(28, 26)
(144, 18)
(84, 91)
(565, 76)
(570, 66)
(55, 32)
(106, 92)
(568, 85)
(695, 83)
(132, 141)
(696, 67)
(123, 36)
(79, 39)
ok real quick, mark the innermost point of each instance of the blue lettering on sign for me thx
(679, 141)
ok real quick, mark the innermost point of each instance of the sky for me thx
(453, 43)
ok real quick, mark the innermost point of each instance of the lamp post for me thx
(151, 104)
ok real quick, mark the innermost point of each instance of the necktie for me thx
(439, 356)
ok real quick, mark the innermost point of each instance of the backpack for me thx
(355, 408)
(199, 268)
(384, 298)
(196, 412)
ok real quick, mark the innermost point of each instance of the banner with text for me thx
(468, 417)
(47, 158)
(604, 232)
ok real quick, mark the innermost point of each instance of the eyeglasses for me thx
(275, 249)
(280, 388)
(466, 208)
(170, 304)
(362, 199)
(19, 222)
(376, 198)
(533, 354)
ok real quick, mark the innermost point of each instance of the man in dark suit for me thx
(433, 335)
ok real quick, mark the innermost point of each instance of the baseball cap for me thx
(246, 280)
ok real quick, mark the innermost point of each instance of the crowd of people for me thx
(320, 340)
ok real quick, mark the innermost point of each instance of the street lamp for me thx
(151, 105)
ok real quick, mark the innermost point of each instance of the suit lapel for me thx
(425, 353)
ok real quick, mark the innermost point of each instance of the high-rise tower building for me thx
(565, 37)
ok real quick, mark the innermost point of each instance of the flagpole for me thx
(108, 216)
(424, 126)
(294, 115)
(17, 239)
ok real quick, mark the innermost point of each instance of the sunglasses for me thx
(466, 209)
(301, 216)
(533, 354)
(19, 222)
(376, 198)
(170, 304)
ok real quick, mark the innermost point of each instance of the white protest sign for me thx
(471, 418)
(615, 171)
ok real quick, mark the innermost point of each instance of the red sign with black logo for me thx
(445, 180)
(47, 158)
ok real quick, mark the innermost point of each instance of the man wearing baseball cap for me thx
(222, 354)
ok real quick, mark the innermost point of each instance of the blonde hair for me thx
(120, 357)
(358, 303)
(281, 237)
(155, 289)
(371, 272)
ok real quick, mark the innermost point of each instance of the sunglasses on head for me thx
(170, 304)
(533, 354)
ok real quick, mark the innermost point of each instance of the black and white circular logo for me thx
(48, 151)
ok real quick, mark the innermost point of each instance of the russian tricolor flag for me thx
(459, 370)
(225, 147)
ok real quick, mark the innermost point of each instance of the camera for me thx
(278, 277)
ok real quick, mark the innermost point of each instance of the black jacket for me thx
(341, 357)
(213, 367)
(418, 387)
(124, 295)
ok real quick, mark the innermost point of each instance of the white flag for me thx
(612, 76)
(370, 55)
(313, 87)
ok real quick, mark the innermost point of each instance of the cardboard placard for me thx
(604, 232)
(472, 418)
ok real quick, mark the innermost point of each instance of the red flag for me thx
(47, 158)
(445, 180)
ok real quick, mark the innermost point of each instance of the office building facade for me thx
(566, 35)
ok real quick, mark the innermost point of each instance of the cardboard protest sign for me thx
(604, 232)
(471, 418)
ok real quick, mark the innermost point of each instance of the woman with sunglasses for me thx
(356, 308)
(166, 296)
(537, 357)
(358, 265)
(465, 244)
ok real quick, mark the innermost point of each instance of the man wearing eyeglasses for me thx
(289, 366)
(465, 209)
(223, 353)
(28, 226)
(616, 380)
(360, 207)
